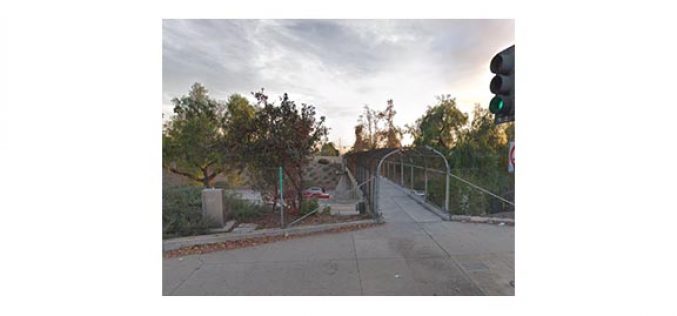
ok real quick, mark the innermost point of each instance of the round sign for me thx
(512, 155)
(511, 158)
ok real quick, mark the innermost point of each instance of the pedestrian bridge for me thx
(424, 174)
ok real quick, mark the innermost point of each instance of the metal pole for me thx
(392, 174)
(401, 171)
(392, 164)
(370, 190)
(446, 195)
(425, 179)
(392, 170)
(372, 196)
(481, 189)
(411, 179)
(304, 217)
(281, 177)
(446, 186)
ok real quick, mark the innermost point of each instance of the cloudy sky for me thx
(336, 65)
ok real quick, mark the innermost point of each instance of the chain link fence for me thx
(363, 166)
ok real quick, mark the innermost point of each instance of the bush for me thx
(308, 206)
(242, 210)
(182, 212)
(221, 185)
(466, 200)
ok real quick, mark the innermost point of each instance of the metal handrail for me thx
(481, 189)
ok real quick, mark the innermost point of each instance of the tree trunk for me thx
(206, 179)
(300, 189)
(276, 196)
(295, 185)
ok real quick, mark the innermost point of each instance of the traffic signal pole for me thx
(280, 174)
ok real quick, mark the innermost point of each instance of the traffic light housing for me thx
(502, 105)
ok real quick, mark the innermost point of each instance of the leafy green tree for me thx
(193, 141)
(440, 126)
(239, 118)
(480, 156)
(476, 151)
(480, 145)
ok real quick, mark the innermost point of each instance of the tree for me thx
(482, 145)
(283, 136)
(328, 149)
(361, 144)
(392, 134)
(480, 156)
(441, 125)
(193, 141)
(369, 132)
(240, 116)
(371, 120)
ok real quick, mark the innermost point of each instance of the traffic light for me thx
(502, 105)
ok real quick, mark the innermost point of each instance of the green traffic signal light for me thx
(496, 105)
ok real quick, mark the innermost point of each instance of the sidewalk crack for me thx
(357, 262)
(188, 277)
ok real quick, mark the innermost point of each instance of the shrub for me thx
(242, 210)
(308, 206)
(221, 185)
(182, 212)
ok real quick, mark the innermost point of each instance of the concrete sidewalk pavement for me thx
(414, 253)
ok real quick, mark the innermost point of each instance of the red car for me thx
(316, 193)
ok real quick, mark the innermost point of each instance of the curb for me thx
(176, 243)
(480, 219)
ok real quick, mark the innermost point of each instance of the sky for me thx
(339, 66)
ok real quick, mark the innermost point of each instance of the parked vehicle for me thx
(316, 193)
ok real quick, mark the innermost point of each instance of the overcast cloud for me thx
(336, 65)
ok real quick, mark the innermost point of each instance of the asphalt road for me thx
(414, 253)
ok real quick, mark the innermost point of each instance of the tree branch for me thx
(210, 163)
(185, 174)
(212, 176)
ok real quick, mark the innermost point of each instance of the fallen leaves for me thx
(254, 241)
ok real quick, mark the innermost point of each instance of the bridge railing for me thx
(427, 173)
